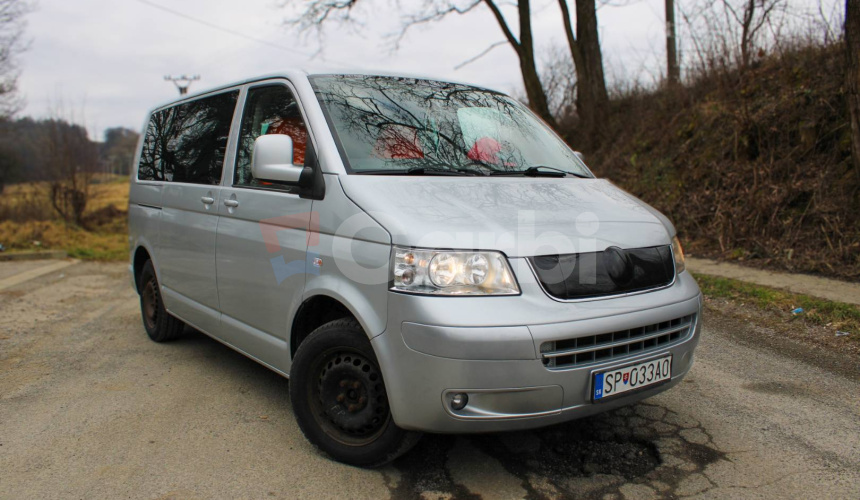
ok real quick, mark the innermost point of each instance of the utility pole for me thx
(182, 82)
(673, 71)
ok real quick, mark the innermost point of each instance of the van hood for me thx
(519, 216)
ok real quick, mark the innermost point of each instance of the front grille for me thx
(613, 271)
(615, 345)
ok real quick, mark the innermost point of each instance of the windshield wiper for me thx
(422, 171)
(537, 171)
(442, 171)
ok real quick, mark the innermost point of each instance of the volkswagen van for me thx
(415, 255)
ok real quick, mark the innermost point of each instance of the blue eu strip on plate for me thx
(598, 386)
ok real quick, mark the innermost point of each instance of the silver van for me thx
(415, 255)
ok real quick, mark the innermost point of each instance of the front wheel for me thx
(339, 398)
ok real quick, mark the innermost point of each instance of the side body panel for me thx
(187, 253)
(261, 262)
(355, 252)
(261, 257)
(144, 213)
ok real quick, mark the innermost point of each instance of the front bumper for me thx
(484, 352)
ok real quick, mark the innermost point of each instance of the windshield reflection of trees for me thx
(417, 120)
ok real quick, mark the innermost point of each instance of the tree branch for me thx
(503, 24)
(319, 12)
(482, 54)
(435, 14)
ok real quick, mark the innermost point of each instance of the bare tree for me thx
(729, 33)
(753, 17)
(70, 159)
(12, 25)
(852, 76)
(118, 149)
(558, 75)
(592, 100)
(315, 13)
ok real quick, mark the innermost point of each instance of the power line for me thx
(223, 29)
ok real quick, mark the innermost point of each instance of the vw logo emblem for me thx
(618, 265)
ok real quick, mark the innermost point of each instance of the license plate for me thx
(629, 378)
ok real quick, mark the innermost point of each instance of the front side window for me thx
(388, 124)
(187, 142)
(269, 110)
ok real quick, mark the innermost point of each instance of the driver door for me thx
(263, 233)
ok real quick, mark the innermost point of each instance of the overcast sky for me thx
(106, 59)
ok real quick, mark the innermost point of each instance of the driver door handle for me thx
(231, 203)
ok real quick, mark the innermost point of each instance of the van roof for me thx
(304, 73)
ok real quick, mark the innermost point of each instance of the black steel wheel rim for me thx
(347, 396)
(149, 298)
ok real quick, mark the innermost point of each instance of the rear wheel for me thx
(158, 323)
(339, 397)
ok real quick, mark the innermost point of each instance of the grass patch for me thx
(107, 243)
(817, 312)
(28, 222)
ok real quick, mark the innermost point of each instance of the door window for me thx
(187, 142)
(269, 110)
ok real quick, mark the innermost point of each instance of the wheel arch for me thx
(142, 254)
(314, 312)
(321, 306)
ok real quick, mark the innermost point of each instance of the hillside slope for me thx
(750, 165)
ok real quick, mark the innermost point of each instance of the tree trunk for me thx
(673, 70)
(852, 74)
(528, 67)
(592, 100)
(525, 50)
(746, 33)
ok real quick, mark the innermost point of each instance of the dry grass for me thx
(836, 316)
(28, 222)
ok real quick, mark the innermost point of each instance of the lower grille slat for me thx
(601, 347)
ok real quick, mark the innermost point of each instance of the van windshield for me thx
(404, 125)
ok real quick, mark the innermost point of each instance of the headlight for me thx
(678, 252)
(443, 272)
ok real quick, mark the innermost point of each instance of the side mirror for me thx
(272, 159)
(580, 156)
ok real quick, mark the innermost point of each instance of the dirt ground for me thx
(90, 408)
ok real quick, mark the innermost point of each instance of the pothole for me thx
(581, 448)
(598, 454)
(423, 474)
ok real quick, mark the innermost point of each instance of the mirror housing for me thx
(272, 160)
(580, 156)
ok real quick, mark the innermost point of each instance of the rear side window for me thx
(187, 142)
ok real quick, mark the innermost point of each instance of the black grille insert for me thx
(610, 272)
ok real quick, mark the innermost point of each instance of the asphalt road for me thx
(90, 408)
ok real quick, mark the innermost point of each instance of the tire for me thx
(339, 398)
(158, 323)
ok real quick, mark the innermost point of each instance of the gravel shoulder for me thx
(90, 408)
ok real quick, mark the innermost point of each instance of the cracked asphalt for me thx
(90, 408)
